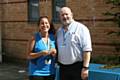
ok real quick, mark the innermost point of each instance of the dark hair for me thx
(52, 29)
(40, 18)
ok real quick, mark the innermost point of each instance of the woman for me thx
(42, 52)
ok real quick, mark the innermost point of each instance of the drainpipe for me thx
(0, 45)
(1, 17)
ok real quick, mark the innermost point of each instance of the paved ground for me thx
(12, 71)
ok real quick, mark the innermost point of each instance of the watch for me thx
(86, 67)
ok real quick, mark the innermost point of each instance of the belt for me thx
(68, 65)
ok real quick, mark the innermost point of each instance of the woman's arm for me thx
(31, 54)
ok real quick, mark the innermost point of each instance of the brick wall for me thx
(16, 31)
(90, 12)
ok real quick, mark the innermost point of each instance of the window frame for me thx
(33, 9)
(57, 4)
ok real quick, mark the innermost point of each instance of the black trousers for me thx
(71, 72)
(42, 77)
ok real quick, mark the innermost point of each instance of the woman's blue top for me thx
(44, 65)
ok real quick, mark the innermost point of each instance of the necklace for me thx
(46, 42)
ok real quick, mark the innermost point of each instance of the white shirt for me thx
(73, 43)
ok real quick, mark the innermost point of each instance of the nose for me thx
(64, 16)
(44, 24)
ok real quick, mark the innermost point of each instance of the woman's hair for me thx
(40, 18)
(52, 29)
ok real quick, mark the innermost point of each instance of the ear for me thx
(72, 14)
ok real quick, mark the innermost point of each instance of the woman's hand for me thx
(45, 53)
(53, 52)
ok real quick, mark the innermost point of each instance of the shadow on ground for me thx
(12, 71)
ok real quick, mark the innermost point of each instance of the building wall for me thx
(90, 12)
(16, 30)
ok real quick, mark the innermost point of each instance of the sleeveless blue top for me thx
(44, 65)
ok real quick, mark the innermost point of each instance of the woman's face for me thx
(44, 25)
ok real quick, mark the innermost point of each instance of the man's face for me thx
(66, 16)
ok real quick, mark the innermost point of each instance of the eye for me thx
(46, 22)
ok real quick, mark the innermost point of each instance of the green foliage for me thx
(110, 66)
(106, 59)
(116, 18)
(116, 15)
(111, 60)
(114, 2)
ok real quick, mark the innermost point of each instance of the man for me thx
(74, 47)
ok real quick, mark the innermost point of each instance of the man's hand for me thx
(84, 74)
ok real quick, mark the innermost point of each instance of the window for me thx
(57, 4)
(33, 10)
